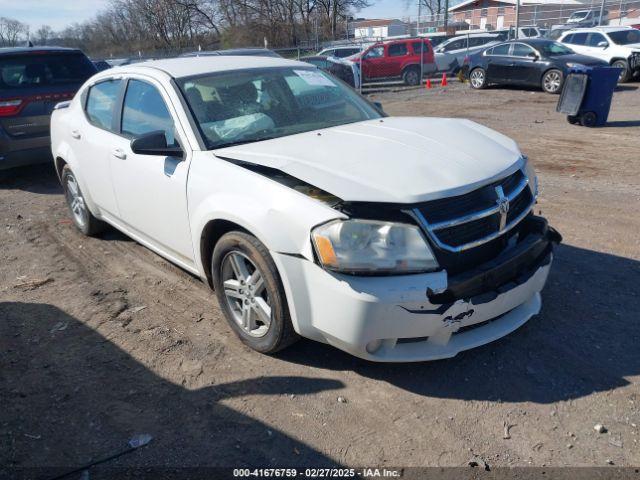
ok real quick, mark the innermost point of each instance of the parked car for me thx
(588, 18)
(618, 46)
(310, 212)
(396, 59)
(340, 52)
(101, 65)
(32, 81)
(437, 38)
(345, 70)
(535, 62)
(523, 32)
(557, 30)
(450, 54)
(251, 52)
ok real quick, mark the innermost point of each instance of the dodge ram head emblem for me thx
(503, 206)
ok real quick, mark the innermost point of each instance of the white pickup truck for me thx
(308, 210)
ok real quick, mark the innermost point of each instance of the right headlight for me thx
(370, 247)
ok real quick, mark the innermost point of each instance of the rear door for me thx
(398, 56)
(499, 63)
(32, 83)
(91, 135)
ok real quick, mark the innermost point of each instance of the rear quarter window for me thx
(37, 70)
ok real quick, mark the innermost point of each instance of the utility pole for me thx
(518, 19)
(418, 21)
(602, 12)
(446, 15)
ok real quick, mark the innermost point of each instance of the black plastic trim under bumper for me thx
(508, 270)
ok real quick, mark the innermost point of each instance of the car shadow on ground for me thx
(41, 179)
(70, 396)
(622, 124)
(584, 340)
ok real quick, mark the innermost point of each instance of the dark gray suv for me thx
(32, 81)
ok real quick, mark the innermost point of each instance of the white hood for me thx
(395, 159)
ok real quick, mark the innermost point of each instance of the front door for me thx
(151, 189)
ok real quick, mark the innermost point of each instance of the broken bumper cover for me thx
(420, 317)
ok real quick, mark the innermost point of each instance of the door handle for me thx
(76, 134)
(119, 153)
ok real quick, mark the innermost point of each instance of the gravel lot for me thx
(101, 339)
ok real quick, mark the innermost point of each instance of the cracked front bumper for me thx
(418, 317)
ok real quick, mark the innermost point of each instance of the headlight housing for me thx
(372, 247)
(575, 65)
(531, 175)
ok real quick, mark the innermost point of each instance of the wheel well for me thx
(60, 163)
(410, 67)
(614, 60)
(211, 233)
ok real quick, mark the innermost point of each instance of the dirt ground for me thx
(101, 339)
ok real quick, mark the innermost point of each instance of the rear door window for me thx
(500, 49)
(101, 103)
(456, 45)
(397, 49)
(578, 39)
(34, 70)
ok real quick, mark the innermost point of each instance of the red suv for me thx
(397, 59)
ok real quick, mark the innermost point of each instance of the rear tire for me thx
(625, 75)
(411, 76)
(251, 294)
(478, 78)
(552, 81)
(82, 217)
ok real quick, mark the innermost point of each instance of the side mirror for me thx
(155, 143)
(533, 56)
(603, 44)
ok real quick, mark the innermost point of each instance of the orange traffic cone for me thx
(444, 80)
(428, 84)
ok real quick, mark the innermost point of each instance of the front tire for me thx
(251, 294)
(478, 78)
(625, 75)
(82, 217)
(552, 81)
(411, 76)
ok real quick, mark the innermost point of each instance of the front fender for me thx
(279, 216)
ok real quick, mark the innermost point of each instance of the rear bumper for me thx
(419, 317)
(16, 152)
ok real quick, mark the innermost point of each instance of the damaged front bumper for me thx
(425, 316)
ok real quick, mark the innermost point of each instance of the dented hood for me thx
(395, 159)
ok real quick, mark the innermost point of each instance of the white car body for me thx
(166, 204)
(599, 44)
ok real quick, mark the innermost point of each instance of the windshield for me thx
(625, 37)
(33, 69)
(553, 49)
(247, 106)
(579, 15)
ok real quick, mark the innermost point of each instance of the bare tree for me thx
(12, 31)
(43, 34)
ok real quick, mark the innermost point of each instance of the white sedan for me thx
(308, 210)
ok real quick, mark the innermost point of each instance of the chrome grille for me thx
(466, 221)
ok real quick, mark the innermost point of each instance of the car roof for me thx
(604, 29)
(341, 47)
(191, 66)
(15, 50)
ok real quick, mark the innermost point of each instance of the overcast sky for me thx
(60, 13)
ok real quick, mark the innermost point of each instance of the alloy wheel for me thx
(76, 201)
(477, 78)
(552, 82)
(246, 294)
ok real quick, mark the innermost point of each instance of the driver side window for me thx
(144, 111)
